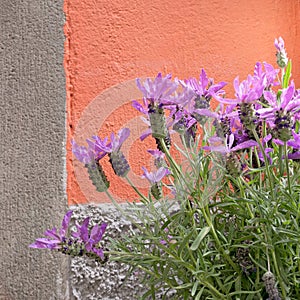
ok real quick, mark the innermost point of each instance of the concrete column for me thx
(32, 186)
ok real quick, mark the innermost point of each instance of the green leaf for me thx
(204, 231)
(287, 75)
(199, 294)
(194, 289)
(183, 286)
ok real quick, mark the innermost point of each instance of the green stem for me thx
(282, 76)
(266, 161)
(177, 174)
(115, 203)
(243, 196)
(124, 213)
(170, 159)
(287, 167)
(281, 169)
(278, 274)
(145, 199)
(218, 243)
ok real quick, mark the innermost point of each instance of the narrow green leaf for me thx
(194, 289)
(204, 231)
(183, 286)
(199, 294)
(287, 75)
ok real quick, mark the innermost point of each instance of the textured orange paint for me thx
(109, 42)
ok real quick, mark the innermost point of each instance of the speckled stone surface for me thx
(92, 281)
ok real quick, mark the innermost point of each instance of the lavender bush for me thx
(229, 226)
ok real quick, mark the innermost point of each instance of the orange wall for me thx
(113, 42)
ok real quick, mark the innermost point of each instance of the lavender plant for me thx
(229, 228)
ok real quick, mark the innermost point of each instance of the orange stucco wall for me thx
(113, 42)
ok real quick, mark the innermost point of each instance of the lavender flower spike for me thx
(117, 158)
(90, 157)
(157, 92)
(281, 54)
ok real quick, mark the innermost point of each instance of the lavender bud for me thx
(119, 163)
(158, 122)
(222, 127)
(282, 59)
(156, 191)
(283, 126)
(201, 103)
(233, 165)
(270, 285)
(97, 176)
(243, 258)
(247, 115)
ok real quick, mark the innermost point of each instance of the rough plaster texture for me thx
(110, 42)
(32, 151)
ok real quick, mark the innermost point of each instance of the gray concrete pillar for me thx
(32, 186)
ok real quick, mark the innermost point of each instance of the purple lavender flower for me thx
(204, 90)
(155, 177)
(180, 98)
(289, 102)
(279, 44)
(225, 118)
(117, 158)
(226, 146)
(158, 89)
(144, 110)
(205, 87)
(156, 154)
(54, 237)
(248, 91)
(90, 240)
(268, 77)
(90, 154)
(115, 141)
(267, 150)
(159, 157)
(295, 144)
(282, 112)
(155, 92)
(281, 54)
(90, 157)
(78, 243)
(185, 124)
(141, 108)
(83, 154)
